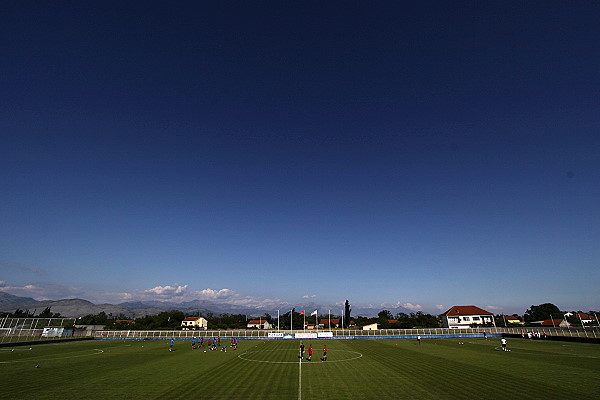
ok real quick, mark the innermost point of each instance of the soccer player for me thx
(419, 339)
(309, 358)
(301, 356)
(503, 341)
(171, 343)
(193, 343)
(209, 344)
(201, 342)
(324, 358)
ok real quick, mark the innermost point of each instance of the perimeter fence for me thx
(34, 330)
(18, 330)
(588, 332)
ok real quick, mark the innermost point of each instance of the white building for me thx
(259, 324)
(462, 317)
(194, 323)
(370, 327)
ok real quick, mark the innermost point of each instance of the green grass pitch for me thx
(356, 369)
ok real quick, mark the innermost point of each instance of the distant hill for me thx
(70, 308)
(75, 308)
(10, 300)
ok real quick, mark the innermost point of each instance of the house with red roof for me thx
(462, 317)
(326, 323)
(561, 323)
(585, 318)
(259, 324)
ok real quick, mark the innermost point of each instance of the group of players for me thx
(310, 352)
(214, 343)
(211, 343)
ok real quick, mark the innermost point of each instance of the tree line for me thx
(46, 313)
(171, 320)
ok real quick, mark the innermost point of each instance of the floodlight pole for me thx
(277, 320)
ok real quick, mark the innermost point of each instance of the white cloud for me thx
(410, 306)
(181, 293)
(439, 307)
(2, 283)
(495, 308)
(211, 294)
(413, 307)
(228, 296)
(167, 291)
(312, 296)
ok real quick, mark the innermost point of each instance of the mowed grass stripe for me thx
(548, 371)
(476, 367)
(422, 376)
(234, 378)
(437, 369)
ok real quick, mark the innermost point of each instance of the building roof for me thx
(192, 318)
(512, 318)
(551, 322)
(257, 322)
(466, 310)
(326, 321)
(583, 316)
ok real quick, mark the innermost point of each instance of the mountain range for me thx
(75, 308)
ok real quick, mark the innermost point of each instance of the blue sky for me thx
(423, 155)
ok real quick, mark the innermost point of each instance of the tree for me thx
(347, 310)
(541, 312)
(48, 314)
(423, 320)
(384, 315)
(99, 319)
(22, 314)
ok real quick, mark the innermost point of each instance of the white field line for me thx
(30, 359)
(299, 379)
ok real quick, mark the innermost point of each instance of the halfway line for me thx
(299, 379)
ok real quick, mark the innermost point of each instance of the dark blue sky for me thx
(425, 155)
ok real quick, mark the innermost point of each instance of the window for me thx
(475, 318)
(466, 318)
